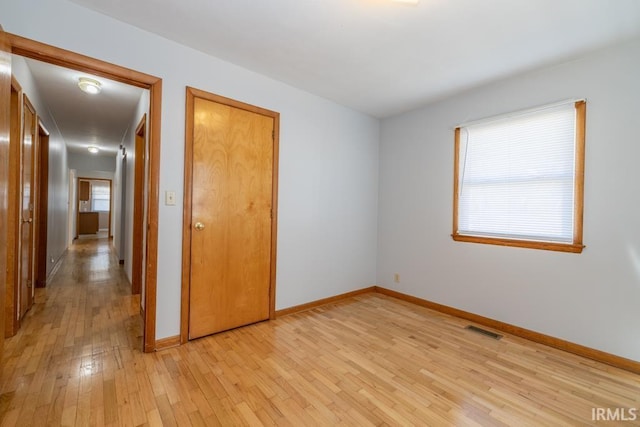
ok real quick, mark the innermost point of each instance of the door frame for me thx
(5, 126)
(139, 176)
(27, 105)
(193, 93)
(84, 178)
(42, 205)
(75, 61)
(12, 319)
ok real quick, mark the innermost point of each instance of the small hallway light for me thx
(93, 149)
(90, 86)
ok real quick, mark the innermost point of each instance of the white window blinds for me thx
(517, 176)
(100, 196)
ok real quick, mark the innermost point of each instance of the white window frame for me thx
(101, 197)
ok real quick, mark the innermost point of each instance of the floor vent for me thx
(484, 332)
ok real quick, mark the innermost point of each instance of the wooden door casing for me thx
(138, 253)
(230, 188)
(12, 308)
(43, 52)
(5, 118)
(27, 205)
(42, 204)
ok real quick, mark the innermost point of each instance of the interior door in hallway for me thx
(232, 194)
(5, 120)
(27, 201)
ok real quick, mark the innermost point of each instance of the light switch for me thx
(170, 198)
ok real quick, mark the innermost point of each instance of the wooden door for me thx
(5, 108)
(27, 206)
(232, 247)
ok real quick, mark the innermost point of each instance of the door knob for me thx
(199, 226)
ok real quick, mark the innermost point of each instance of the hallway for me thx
(69, 353)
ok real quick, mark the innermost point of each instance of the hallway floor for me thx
(66, 360)
(370, 360)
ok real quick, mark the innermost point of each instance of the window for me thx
(100, 197)
(519, 179)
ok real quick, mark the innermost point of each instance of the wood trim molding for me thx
(27, 299)
(138, 205)
(527, 244)
(324, 301)
(153, 207)
(580, 350)
(456, 178)
(274, 214)
(12, 323)
(169, 342)
(191, 94)
(65, 58)
(186, 219)
(578, 209)
(42, 194)
(5, 172)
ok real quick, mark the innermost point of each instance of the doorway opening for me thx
(42, 52)
(42, 163)
(139, 207)
(94, 207)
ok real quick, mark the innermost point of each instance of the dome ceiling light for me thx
(90, 86)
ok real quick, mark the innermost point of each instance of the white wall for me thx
(328, 155)
(129, 142)
(93, 174)
(73, 210)
(589, 298)
(58, 200)
(118, 218)
(92, 162)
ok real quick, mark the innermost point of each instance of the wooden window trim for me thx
(577, 246)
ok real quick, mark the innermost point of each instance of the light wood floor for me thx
(370, 360)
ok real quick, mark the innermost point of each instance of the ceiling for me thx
(85, 119)
(375, 56)
(380, 57)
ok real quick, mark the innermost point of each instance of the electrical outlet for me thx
(170, 198)
(396, 277)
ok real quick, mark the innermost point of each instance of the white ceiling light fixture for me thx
(409, 2)
(93, 149)
(90, 86)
